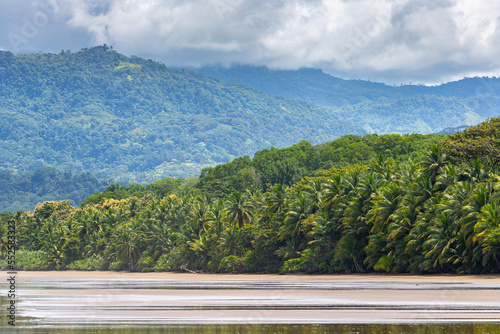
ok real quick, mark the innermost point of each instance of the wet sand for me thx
(201, 276)
(116, 297)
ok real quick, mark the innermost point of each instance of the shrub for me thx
(31, 260)
(231, 264)
(145, 264)
(164, 263)
(117, 266)
(89, 264)
(301, 264)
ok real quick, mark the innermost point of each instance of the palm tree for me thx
(300, 209)
(127, 249)
(314, 191)
(440, 247)
(275, 206)
(230, 242)
(487, 232)
(198, 214)
(382, 166)
(239, 210)
(333, 190)
(384, 205)
(433, 161)
(479, 196)
(201, 247)
(448, 175)
(215, 218)
(158, 237)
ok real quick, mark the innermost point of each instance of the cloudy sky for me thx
(392, 41)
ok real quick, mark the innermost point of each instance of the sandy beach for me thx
(202, 276)
(113, 297)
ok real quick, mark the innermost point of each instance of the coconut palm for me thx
(433, 161)
(229, 242)
(300, 209)
(239, 210)
(198, 214)
(314, 191)
(125, 244)
(333, 190)
(202, 248)
(487, 235)
(215, 218)
(275, 199)
(440, 247)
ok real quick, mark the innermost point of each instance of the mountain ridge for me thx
(99, 111)
(472, 99)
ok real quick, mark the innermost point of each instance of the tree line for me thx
(436, 212)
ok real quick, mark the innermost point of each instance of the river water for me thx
(250, 304)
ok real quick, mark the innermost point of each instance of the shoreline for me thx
(75, 274)
(111, 298)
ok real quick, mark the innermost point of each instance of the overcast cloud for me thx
(429, 41)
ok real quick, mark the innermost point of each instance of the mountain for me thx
(22, 192)
(449, 131)
(376, 107)
(307, 84)
(97, 110)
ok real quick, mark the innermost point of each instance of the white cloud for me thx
(389, 40)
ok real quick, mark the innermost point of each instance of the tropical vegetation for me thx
(434, 211)
(101, 112)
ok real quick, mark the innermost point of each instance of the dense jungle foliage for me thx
(433, 212)
(126, 117)
(288, 165)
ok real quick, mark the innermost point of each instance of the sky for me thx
(391, 41)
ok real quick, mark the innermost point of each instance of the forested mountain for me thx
(410, 209)
(379, 108)
(99, 111)
(22, 192)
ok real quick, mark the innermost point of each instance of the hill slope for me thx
(99, 111)
(380, 108)
(22, 192)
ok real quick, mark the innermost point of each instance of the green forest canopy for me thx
(419, 212)
(101, 112)
(269, 166)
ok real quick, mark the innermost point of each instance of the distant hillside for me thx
(379, 108)
(449, 131)
(312, 85)
(22, 192)
(417, 114)
(99, 111)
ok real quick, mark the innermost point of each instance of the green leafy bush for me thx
(117, 266)
(165, 263)
(89, 264)
(145, 264)
(304, 263)
(231, 264)
(31, 260)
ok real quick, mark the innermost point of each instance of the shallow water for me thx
(114, 305)
(445, 328)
